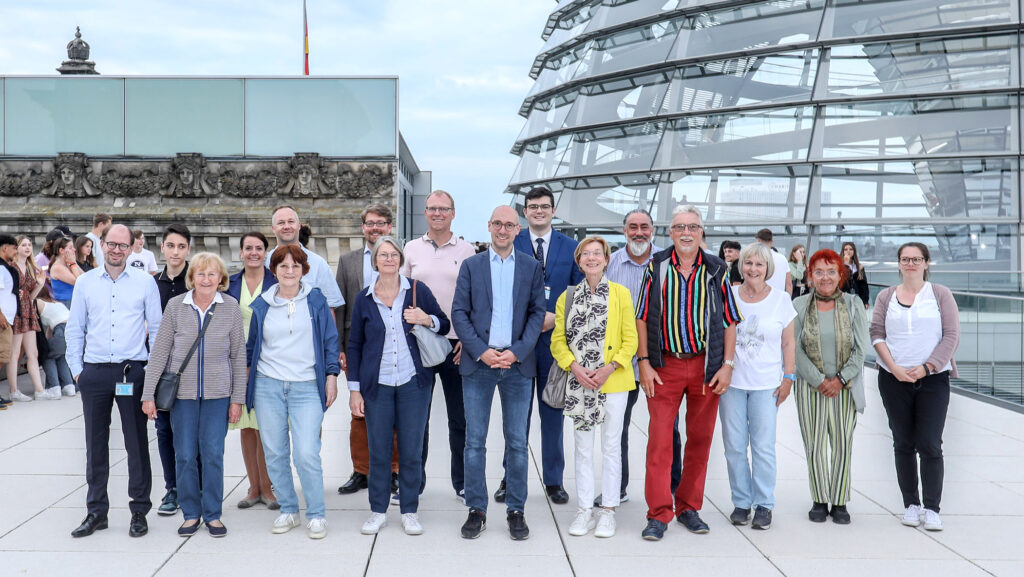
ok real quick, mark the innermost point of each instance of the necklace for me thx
(754, 294)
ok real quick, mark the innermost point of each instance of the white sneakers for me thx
(411, 524)
(317, 528)
(912, 518)
(605, 524)
(69, 390)
(932, 521)
(49, 394)
(20, 396)
(916, 515)
(284, 523)
(374, 523)
(583, 522)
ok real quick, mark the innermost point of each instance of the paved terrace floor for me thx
(42, 461)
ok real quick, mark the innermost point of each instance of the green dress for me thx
(248, 419)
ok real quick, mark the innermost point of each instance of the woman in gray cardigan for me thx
(831, 340)
(212, 388)
(915, 330)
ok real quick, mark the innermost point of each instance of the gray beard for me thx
(637, 248)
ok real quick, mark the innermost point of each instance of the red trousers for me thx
(681, 378)
(359, 445)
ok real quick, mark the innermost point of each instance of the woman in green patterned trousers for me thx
(831, 340)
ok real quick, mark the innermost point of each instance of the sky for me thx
(462, 65)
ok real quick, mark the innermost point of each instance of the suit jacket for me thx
(235, 283)
(367, 344)
(560, 272)
(471, 311)
(350, 280)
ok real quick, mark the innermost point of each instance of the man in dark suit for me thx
(355, 274)
(554, 251)
(498, 312)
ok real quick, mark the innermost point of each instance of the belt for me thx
(681, 356)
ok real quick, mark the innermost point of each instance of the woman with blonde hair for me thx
(26, 324)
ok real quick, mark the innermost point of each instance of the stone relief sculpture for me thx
(304, 171)
(29, 183)
(71, 180)
(249, 182)
(364, 180)
(188, 177)
(132, 182)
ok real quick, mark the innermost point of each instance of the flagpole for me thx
(305, 40)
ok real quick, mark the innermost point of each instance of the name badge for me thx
(124, 389)
(547, 293)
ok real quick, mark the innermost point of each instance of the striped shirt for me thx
(685, 303)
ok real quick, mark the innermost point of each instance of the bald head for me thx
(505, 213)
(285, 224)
(121, 238)
(504, 226)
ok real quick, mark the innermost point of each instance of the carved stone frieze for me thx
(71, 180)
(249, 182)
(29, 182)
(188, 177)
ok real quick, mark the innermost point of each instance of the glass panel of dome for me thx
(637, 97)
(771, 193)
(558, 70)
(44, 116)
(737, 138)
(606, 206)
(922, 66)
(613, 149)
(947, 243)
(630, 48)
(859, 18)
(164, 116)
(541, 160)
(748, 27)
(955, 188)
(765, 79)
(546, 117)
(969, 124)
(631, 11)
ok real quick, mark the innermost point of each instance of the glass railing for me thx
(990, 359)
(999, 282)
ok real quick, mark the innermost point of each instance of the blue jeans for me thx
(199, 429)
(749, 417)
(401, 410)
(515, 392)
(58, 374)
(281, 407)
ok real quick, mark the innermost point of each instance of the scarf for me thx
(810, 337)
(587, 314)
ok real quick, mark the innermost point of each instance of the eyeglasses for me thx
(592, 253)
(825, 273)
(376, 223)
(117, 245)
(538, 207)
(911, 260)
(686, 227)
(439, 209)
(388, 255)
(498, 225)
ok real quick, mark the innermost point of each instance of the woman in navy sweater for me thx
(388, 383)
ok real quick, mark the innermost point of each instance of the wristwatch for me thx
(730, 362)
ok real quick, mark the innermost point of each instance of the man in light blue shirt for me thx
(112, 310)
(285, 223)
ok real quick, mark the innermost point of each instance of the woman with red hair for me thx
(831, 339)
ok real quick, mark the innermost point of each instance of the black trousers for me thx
(96, 384)
(677, 444)
(451, 384)
(917, 416)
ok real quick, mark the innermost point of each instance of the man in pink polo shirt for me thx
(434, 259)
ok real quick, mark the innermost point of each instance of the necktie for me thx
(539, 253)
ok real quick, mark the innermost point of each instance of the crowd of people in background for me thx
(579, 329)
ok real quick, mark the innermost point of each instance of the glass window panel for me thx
(557, 71)
(749, 27)
(631, 48)
(918, 127)
(44, 116)
(568, 28)
(613, 149)
(772, 193)
(919, 67)
(546, 117)
(619, 99)
(773, 78)
(856, 18)
(605, 205)
(735, 138)
(953, 243)
(165, 116)
(335, 117)
(972, 188)
(541, 159)
(630, 11)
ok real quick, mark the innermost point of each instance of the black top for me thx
(171, 287)
(859, 286)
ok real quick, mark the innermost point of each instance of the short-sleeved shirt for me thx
(759, 341)
(684, 305)
(778, 279)
(144, 261)
(171, 287)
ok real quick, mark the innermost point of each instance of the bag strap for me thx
(199, 337)
(414, 282)
(570, 294)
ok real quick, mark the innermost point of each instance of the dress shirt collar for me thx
(454, 240)
(495, 257)
(546, 237)
(371, 290)
(187, 300)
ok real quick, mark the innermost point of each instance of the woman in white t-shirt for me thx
(761, 381)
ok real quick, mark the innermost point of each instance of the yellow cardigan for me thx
(620, 340)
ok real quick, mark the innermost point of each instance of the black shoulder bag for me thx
(167, 386)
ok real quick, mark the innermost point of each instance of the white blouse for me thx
(913, 332)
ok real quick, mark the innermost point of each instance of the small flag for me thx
(305, 39)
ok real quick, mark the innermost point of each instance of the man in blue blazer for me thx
(498, 312)
(555, 252)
